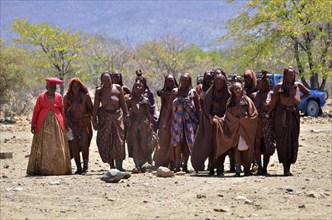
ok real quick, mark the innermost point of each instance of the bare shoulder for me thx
(253, 95)
(174, 91)
(86, 96)
(277, 87)
(98, 90)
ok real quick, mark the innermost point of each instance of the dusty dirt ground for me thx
(306, 195)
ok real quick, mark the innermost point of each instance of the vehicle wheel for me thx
(312, 108)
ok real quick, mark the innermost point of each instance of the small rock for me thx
(6, 155)
(242, 198)
(248, 202)
(200, 196)
(164, 172)
(147, 168)
(114, 176)
(301, 206)
(56, 182)
(6, 166)
(17, 189)
(180, 173)
(146, 184)
(289, 189)
(220, 210)
(144, 201)
(316, 195)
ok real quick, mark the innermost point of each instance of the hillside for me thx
(135, 22)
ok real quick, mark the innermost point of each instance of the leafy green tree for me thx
(285, 32)
(14, 79)
(104, 53)
(172, 56)
(167, 55)
(60, 47)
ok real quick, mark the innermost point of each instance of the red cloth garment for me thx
(42, 106)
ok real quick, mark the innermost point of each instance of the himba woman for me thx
(237, 129)
(49, 151)
(78, 110)
(139, 128)
(264, 140)
(205, 84)
(108, 110)
(148, 94)
(117, 79)
(184, 109)
(285, 101)
(250, 82)
(214, 105)
(162, 156)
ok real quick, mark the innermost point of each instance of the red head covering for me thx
(52, 81)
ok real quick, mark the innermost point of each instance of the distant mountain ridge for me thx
(135, 22)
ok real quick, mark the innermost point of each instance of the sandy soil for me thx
(306, 195)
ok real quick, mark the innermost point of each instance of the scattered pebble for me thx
(56, 182)
(220, 210)
(289, 189)
(242, 198)
(200, 196)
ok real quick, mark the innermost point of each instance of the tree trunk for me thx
(299, 63)
(313, 74)
(62, 86)
(322, 86)
(314, 81)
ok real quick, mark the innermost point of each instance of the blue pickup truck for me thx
(312, 105)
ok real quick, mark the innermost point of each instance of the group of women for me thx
(241, 119)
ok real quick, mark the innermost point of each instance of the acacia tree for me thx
(173, 56)
(16, 87)
(300, 29)
(167, 55)
(104, 53)
(60, 47)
